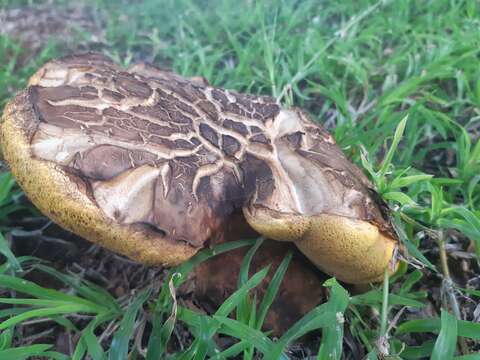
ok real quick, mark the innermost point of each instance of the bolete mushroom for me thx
(150, 164)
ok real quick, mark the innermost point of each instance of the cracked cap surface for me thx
(150, 164)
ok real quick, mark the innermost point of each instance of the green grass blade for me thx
(6, 184)
(447, 339)
(206, 254)
(393, 147)
(413, 278)
(5, 251)
(88, 342)
(161, 333)
(464, 328)
(332, 335)
(418, 352)
(24, 352)
(6, 338)
(203, 338)
(121, 339)
(408, 180)
(93, 347)
(374, 297)
(272, 290)
(84, 288)
(28, 287)
(413, 250)
(245, 267)
(35, 302)
(241, 331)
(319, 317)
(232, 351)
(468, 357)
(244, 306)
(234, 300)
(46, 312)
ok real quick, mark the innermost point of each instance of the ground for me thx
(398, 85)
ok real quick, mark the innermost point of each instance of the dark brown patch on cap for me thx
(209, 134)
(257, 176)
(187, 108)
(177, 211)
(255, 129)
(128, 85)
(235, 126)
(209, 109)
(113, 96)
(295, 139)
(260, 138)
(230, 146)
(220, 97)
(104, 162)
(68, 116)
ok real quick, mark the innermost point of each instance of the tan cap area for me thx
(64, 199)
(351, 250)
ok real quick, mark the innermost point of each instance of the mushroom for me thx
(152, 165)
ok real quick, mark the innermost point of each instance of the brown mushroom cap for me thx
(150, 164)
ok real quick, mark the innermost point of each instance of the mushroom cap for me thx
(150, 164)
(66, 198)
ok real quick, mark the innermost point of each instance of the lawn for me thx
(397, 83)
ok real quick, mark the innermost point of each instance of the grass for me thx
(396, 82)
